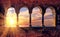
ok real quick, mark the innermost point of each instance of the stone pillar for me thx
(58, 18)
(43, 18)
(30, 11)
(17, 12)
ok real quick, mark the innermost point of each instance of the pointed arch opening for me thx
(23, 17)
(36, 17)
(50, 17)
(11, 17)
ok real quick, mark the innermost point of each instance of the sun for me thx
(10, 22)
(11, 18)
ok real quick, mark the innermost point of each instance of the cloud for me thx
(49, 17)
(36, 23)
(36, 17)
(49, 22)
(23, 18)
(23, 9)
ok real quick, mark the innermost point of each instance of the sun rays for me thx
(10, 23)
(11, 18)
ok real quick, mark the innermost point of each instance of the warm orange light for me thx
(10, 23)
(11, 18)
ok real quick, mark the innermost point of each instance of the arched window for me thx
(37, 17)
(11, 18)
(23, 17)
(49, 17)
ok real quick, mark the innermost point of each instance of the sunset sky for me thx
(23, 17)
(49, 18)
(36, 17)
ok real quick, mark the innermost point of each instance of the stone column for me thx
(58, 18)
(43, 18)
(17, 12)
(30, 11)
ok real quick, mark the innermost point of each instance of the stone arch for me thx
(23, 17)
(11, 17)
(36, 15)
(50, 17)
(2, 15)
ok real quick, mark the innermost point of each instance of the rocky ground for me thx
(31, 32)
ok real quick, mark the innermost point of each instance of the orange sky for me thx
(36, 16)
(23, 17)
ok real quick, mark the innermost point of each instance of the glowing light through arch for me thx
(10, 24)
(23, 17)
(49, 17)
(11, 18)
(37, 17)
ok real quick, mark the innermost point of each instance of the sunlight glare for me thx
(11, 18)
